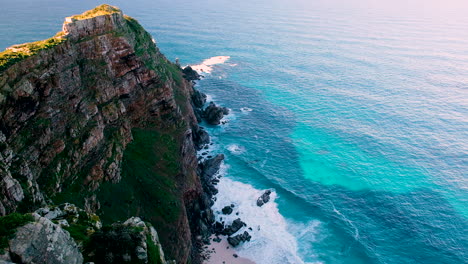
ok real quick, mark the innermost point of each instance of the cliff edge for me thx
(98, 117)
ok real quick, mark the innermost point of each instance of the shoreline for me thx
(222, 253)
(216, 248)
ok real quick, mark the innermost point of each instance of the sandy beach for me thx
(222, 253)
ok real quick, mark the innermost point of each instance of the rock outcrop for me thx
(213, 113)
(237, 239)
(133, 241)
(42, 241)
(234, 227)
(207, 170)
(190, 74)
(264, 198)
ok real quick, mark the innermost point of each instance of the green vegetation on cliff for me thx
(101, 10)
(148, 185)
(19, 52)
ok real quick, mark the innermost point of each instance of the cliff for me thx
(98, 117)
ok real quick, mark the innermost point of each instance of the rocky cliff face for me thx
(103, 120)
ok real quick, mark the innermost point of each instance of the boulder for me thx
(236, 240)
(234, 227)
(42, 241)
(213, 114)
(227, 210)
(264, 198)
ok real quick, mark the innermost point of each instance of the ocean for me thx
(355, 114)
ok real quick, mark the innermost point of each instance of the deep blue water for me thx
(358, 121)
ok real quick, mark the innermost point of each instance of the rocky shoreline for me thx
(213, 231)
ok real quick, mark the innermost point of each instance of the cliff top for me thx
(101, 10)
(19, 52)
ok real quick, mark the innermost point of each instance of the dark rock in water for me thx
(198, 99)
(225, 111)
(234, 227)
(217, 239)
(190, 74)
(200, 137)
(264, 198)
(211, 166)
(235, 255)
(236, 240)
(213, 114)
(232, 205)
(227, 210)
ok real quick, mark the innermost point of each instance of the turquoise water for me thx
(359, 117)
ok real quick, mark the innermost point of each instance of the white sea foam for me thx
(350, 223)
(209, 98)
(207, 65)
(236, 149)
(271, 242)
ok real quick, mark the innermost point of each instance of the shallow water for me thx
(354, 112)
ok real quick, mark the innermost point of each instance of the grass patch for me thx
(101, 10)
(153, 251)
(78, 232)
(148, 186)
(20, 52)
(8, 226)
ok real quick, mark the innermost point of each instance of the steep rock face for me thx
(77, 120)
